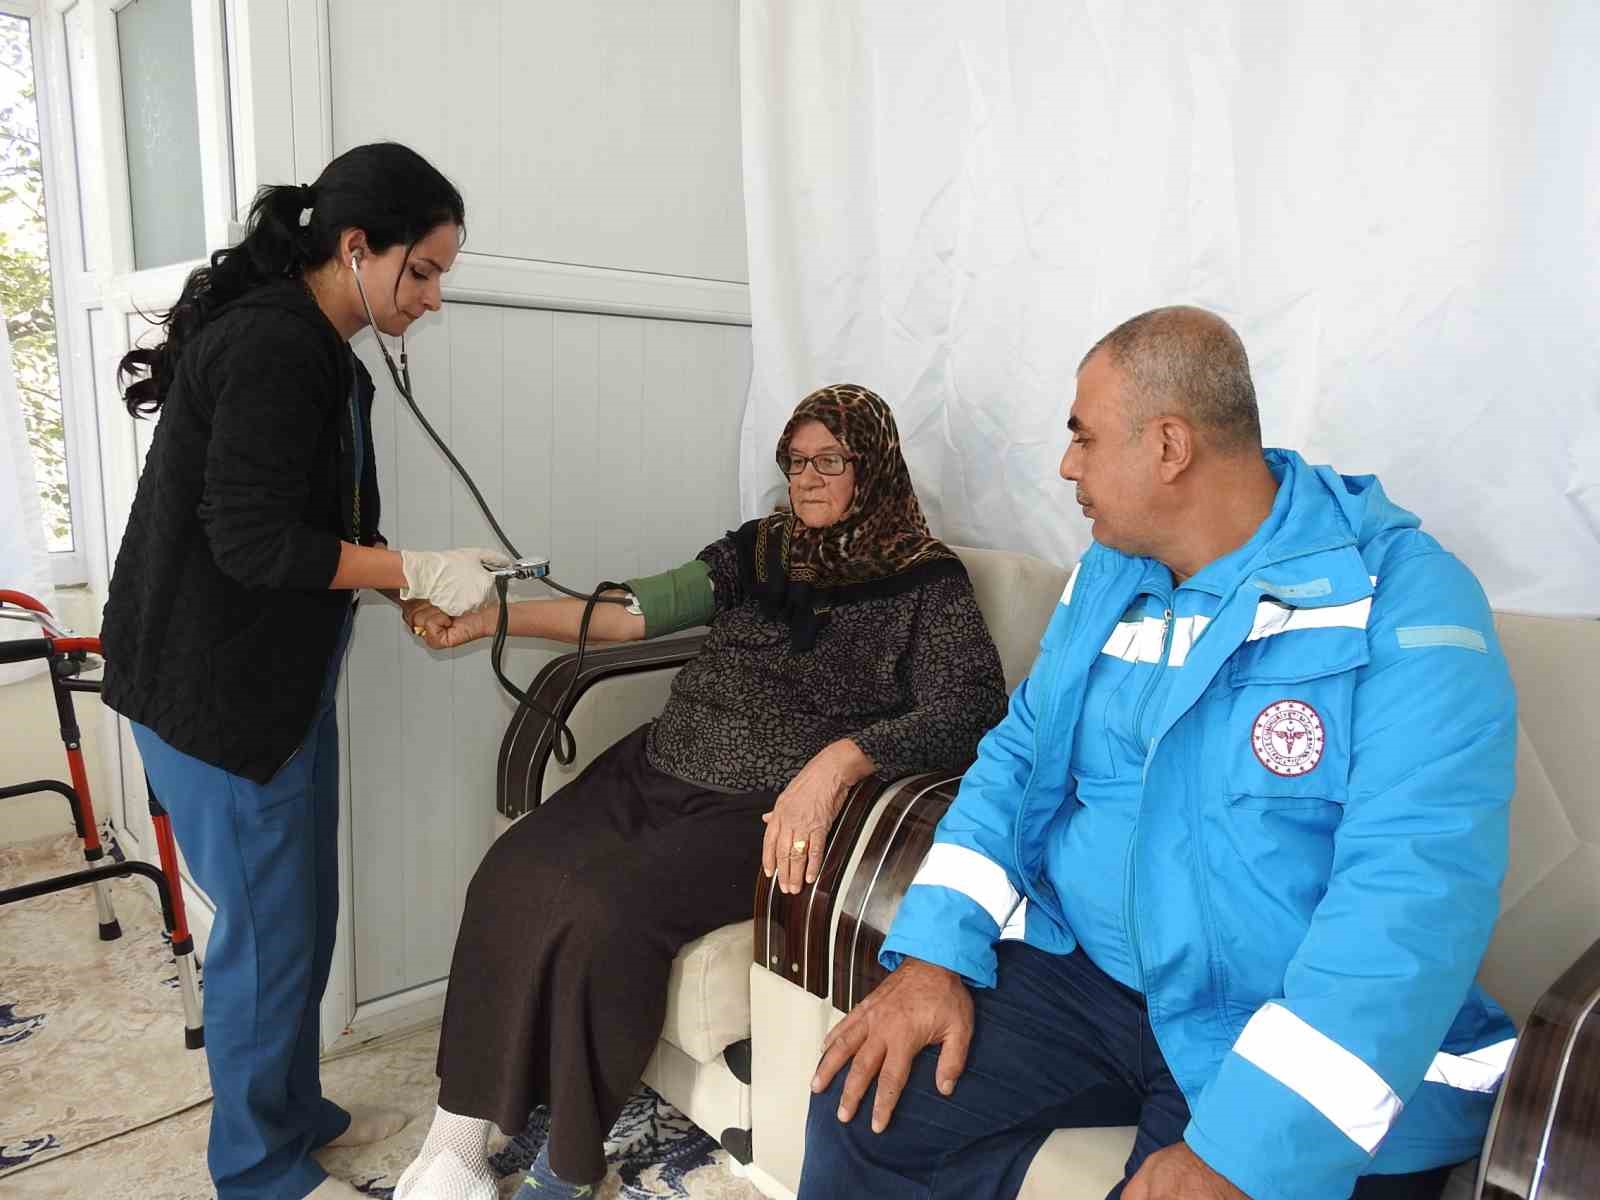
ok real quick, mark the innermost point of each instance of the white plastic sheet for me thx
(1398, 206)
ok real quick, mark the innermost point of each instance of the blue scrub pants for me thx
(1058, 1044)
(267, 855)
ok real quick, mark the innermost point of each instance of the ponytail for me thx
(389, 191)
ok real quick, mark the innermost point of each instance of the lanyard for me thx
(358, 450)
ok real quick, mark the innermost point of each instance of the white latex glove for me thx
(455, 580)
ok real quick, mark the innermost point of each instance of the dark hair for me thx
(388, 190)
(1189, 361)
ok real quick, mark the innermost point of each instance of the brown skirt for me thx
(558, 984)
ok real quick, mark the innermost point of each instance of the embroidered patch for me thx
(1288, 737)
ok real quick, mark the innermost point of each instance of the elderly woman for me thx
(845, 640)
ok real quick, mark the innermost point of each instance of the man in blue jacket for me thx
(1227, 868)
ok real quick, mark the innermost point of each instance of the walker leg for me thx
(194, 1026)
(93, 851)
(194, 1030)
(83, 808)
(110, 927)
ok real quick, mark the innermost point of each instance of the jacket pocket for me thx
(1285, 729)
(1274, 766)
(1268, 858)
(1280, 803)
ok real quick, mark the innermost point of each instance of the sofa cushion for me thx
(1550, 901)
(708, 992)
(1017, 594)
(1085, 1164)
(1078, 1164)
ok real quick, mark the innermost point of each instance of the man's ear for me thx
(1177, 446)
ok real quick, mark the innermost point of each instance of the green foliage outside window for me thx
(25, 294)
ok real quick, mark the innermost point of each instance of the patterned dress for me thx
(912, 678)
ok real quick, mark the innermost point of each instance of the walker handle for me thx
(24, 650)
(22, 600)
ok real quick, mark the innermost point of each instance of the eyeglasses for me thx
(829, 463)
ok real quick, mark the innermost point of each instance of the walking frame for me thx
(68, 657)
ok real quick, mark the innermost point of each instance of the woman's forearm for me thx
(852, 763)
(368, 567)
(558, 621)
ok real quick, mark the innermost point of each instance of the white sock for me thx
(453, 1163)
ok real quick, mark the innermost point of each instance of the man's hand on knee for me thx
(1178, 1173)
(918, 1005)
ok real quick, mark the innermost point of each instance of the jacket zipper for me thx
(357, 470)
(1130, 914)
(1155, 678)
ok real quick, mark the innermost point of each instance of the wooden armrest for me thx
(899, 843)
(791, 934)
(794, 935)
(530, 739)
(1545, 1139)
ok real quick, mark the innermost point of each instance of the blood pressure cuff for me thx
(677, 599)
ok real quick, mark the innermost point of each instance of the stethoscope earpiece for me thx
(402, 374)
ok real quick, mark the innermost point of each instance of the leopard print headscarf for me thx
(881, 546)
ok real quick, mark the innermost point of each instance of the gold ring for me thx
(799, 845)
(417, 629)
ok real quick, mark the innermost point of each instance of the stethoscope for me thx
(520, 567)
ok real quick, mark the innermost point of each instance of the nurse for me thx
(255, 521)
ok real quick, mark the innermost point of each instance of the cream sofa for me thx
(750, 1003)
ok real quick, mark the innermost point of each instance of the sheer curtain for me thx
(24, 561)
(1398, 206)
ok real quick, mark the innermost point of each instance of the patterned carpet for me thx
(101, 1099)
(91, 1032)
(653, 1150)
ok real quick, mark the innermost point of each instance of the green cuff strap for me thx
(676, 599)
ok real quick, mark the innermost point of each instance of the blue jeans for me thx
(1058, 1044)
(267, 855)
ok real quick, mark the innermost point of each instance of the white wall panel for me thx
(604, 442)
(375, 709)
(600, 134)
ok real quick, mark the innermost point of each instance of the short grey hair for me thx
(1190, 362)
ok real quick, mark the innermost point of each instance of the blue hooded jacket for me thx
(1306, 937)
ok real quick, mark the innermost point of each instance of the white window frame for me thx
(91, 252)
(159, 285)
(59, 162)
